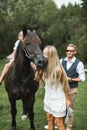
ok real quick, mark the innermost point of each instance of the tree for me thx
(54, 26)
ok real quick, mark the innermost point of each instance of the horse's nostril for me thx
(39, 62)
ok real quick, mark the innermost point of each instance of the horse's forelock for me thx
(31, 38)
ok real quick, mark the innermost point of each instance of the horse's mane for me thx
(20, 57)
(31, 38)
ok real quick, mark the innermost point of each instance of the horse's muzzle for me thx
(42, 63)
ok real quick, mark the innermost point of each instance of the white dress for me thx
(54, 99)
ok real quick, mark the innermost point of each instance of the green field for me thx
(80, 121)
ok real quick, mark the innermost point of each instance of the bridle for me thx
(27, 52)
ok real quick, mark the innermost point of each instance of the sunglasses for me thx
(70, 50)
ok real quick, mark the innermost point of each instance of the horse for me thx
(19, 80)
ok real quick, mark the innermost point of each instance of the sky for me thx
(65, 2)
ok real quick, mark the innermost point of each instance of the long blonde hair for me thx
(55, 71)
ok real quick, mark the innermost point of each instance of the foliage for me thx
(54, 26)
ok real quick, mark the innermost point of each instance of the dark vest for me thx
(71, 72)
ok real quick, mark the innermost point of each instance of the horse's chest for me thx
(20, 93)
(23, 92)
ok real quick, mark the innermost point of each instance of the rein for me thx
(27, 53)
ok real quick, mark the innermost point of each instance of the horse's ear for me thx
(34, 31)
(24, 31)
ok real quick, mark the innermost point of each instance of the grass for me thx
(80, 120)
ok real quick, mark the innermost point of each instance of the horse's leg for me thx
(30, 105)
(24, 114)
(13, 113)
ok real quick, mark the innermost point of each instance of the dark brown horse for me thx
(19, 81)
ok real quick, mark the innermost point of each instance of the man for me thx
(75, 72)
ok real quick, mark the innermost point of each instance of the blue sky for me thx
(65, 2)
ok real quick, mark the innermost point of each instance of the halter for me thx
(27, 53)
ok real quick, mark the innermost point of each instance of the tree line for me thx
(55, 26)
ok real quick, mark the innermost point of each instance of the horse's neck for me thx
(22, 64)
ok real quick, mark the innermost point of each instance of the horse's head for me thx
(31, 46)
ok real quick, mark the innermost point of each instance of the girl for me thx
(56, 97)
(7, 66)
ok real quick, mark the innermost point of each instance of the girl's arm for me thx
(67, 97)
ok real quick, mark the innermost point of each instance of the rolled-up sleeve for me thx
(81, 71)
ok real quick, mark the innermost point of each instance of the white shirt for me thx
(80, 67)
(11, 58)
(54, 99)
(16, 44)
